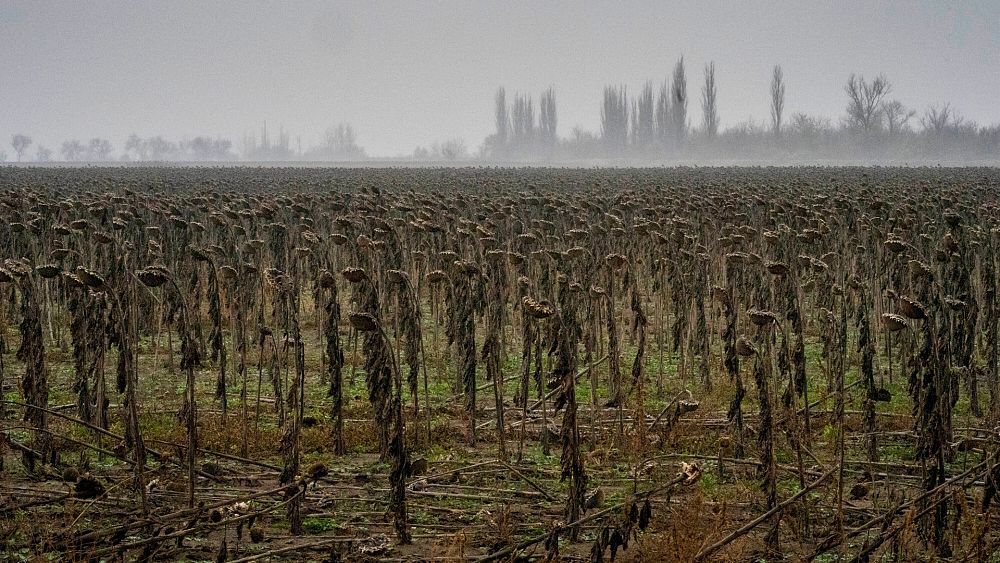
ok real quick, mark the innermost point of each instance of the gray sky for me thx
(409, 73)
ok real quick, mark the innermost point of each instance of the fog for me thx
(418, 80)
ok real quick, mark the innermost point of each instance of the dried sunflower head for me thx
(761, 318)
(744, 347)
(397, 276)
(893, 322)
(354, 275)
(48, 271)
(537, 309)
(152, 277)
(363, 322)
(89, 277)
(326, 279)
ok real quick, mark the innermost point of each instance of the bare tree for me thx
(896, 116)
(808, 127)
(204, 148)
(99, 149)
(864, 102)
(678, 102)
(663, 114)
(452, 149)
(643, 117)
(71, 150)
(162, 149)
(709, 108)
(339, 143)
(938, 119)
(614, 118)
(136, 145)
(502, 116)
(43, 154)
(20, 142)
(523, 123)
(547, 118)
(633, 124)
(777, 99)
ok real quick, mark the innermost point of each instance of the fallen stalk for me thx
(503, 553)
(743, 530)
(832, 541)
(191, 529)
(180, 514)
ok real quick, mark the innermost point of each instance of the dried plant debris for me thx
(499, 364)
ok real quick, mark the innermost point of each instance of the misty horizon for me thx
(408, 76)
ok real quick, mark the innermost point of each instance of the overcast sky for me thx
(409, 73)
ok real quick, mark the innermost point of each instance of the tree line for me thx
(337, 143)
(654, 123)
(135, 148)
